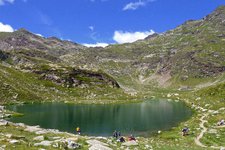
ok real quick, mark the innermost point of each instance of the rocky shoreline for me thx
(60, 140)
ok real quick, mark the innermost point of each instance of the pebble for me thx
(14, 141)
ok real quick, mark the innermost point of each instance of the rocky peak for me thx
(151, 36)
(24, 39)
(217, 16)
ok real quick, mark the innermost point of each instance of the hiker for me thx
(78, 130)
(115, 134)
(131, 138)
(220, 123)
(122, 139)
(185, 131)
(118, 134)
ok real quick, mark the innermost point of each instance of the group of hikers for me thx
(119, 138)
(116, 135)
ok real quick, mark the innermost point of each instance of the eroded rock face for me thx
(76, 77)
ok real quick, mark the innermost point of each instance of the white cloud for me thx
(5, 28)
(136, 5)
(2, 2)
(39, 35)
(129, 37)
(96, 45)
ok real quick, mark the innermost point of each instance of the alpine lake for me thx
(139, 119)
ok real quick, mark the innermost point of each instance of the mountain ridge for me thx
(188, 56)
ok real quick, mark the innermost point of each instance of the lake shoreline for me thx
(148, 109)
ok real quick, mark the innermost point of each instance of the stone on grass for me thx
(20, 125)
(56, 138)
(99, 147)
(43, 143)
(96, 142)
(56, 145)
(130, 143)
(14, 141)
(41, 132)
(9, 136)
(216, 112)
(72, 139)
(3, 123)
(39, 138)
(73, 145)
(32, 128)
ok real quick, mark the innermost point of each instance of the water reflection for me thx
(102, 120)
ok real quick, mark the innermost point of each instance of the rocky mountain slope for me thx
(31, 70)
(182, 58)
(189, 57)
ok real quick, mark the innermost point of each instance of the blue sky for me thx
(101, 21)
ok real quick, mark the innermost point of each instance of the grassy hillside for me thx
(25, 86)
